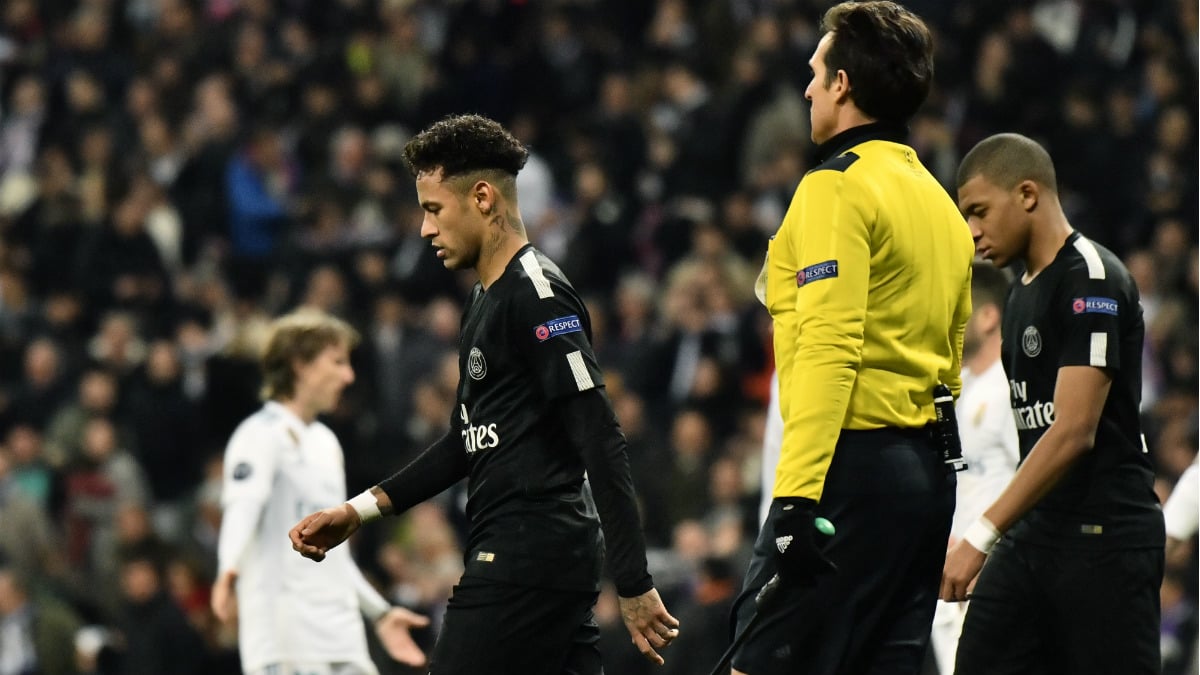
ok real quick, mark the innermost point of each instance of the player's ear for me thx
(483, 196)
(1029, 193)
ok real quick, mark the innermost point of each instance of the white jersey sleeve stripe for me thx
(534, 270)
(1099, 356)
(583, 379)
(1094, 264)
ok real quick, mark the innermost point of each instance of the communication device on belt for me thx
(945, 429)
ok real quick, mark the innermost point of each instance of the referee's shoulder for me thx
(838, 163)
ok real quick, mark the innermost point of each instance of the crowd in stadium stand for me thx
(173, 173)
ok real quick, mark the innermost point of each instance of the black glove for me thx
(797, 552)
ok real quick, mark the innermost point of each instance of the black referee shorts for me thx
(1038, 610)
(891, 502)
(504, 629)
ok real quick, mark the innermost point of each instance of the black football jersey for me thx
(526, 341)
(1083, 310)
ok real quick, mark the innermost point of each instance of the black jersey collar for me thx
(875, 131)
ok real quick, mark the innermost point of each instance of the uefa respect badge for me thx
(556, 327)
(822, 270)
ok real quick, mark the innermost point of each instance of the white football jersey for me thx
(989, 444)
(290, 609)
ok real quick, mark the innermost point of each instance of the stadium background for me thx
(173, 173)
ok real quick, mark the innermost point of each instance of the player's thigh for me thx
(1109, 604)
(1003, 632)
(502, 628)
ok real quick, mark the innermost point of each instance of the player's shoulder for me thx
(260, 427)
(323, 433)
(1090, 261)
(535, 277)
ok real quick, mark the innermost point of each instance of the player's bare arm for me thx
(318, 532)
(1079, 396)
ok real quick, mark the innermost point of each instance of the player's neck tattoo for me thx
(508, 220)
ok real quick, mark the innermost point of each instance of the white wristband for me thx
(982, 534)
(366, 506)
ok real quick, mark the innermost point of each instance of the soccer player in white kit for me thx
(296, 617)
(988, 433)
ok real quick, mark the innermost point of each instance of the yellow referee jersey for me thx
(868, 282)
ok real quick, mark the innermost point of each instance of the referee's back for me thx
(868, 282)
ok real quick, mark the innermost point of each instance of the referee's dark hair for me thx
(1007, 159)
(989, 285)
(887, 53)
(466, 146)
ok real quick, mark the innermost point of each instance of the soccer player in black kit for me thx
(1074, 545)
(530, 418)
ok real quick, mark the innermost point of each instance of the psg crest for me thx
(1031, 342)
(476, 366)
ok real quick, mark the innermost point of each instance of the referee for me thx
(868, 283)
(1073, 585)
(531, 417)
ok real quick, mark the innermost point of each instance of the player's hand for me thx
(393, 631)
(321, 531)
(649, 623)
(963, 563)
(797, 555)
(224, 597)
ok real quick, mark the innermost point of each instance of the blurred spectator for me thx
(34, 629)
(707, 618)
(29, 545)
(103, 480)
(156, 635)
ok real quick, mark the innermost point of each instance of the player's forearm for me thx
(593, 429)
(440, 466)
(1049, 460)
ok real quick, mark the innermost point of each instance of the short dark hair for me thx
(886, 51)
(464, 144)
(989, 285)
(1007, 159)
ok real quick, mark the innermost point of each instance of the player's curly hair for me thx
(464, 144)
(887, 53)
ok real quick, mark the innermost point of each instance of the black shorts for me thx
(1038, 610)
(891, 501)
(505, 629)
